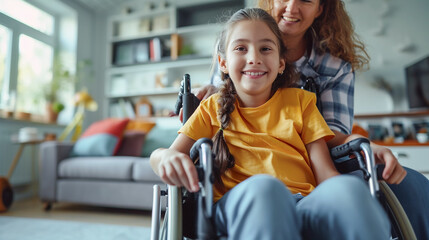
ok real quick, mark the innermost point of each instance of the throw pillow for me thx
(102, 138)
(140, 125)
(159, 137)
(131, 144)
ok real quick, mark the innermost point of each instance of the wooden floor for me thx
(33, 208)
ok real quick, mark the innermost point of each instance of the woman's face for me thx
(294, 17)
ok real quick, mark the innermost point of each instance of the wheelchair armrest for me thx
(347, 148)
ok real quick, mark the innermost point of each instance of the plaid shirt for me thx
(335, 79)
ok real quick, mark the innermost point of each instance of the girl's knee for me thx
(347, 186)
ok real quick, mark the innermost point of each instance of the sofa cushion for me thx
(102, 138)
(113, 168)
(161, 136)
(132, 143)
(142, 171)
(140, 125)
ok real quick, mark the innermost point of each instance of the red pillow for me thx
(102, 138)
(132, 144)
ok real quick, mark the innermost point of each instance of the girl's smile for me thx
(254, 74)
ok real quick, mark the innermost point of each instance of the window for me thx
(32, 73)
(29, 40)
(29, 15)
(4, 47)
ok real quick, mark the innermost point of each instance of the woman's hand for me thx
(205, 92)
(393, 172)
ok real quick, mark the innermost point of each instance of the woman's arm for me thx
(320, 159)
(173, 164)
(393, 172)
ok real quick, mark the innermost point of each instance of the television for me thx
(417, 82)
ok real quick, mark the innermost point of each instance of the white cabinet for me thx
(149, 51)
(415, 157)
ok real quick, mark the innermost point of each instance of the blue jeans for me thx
(261, 207)
(413, 194)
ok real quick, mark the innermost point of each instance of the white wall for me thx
(405, 24)
(90, 30)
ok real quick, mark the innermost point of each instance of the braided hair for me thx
(228, 95)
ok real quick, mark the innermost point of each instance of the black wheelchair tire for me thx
(403, 225)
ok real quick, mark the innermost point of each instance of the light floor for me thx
(33, 208)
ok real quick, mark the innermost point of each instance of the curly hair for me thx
(228, 95)
(334, 32)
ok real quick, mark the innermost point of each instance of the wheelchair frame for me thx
(359, 148)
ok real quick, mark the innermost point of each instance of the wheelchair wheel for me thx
(401, 226)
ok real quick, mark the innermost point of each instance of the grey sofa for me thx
(114, 181)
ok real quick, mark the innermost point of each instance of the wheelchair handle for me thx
(203, 149)
(186, 99)
(345, 149)
(195, 150)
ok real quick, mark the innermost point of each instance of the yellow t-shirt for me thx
(268, 139)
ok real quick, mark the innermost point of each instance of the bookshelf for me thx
(149, 51)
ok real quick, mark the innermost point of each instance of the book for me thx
(142, 52)
(176, 42)
(155, 49)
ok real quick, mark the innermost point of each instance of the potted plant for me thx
(61, 79)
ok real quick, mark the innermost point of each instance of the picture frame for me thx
(420, 126)
(377, 132)
(143, 108)
(123, 54)
(399, 131)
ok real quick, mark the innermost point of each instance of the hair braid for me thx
(224, 159)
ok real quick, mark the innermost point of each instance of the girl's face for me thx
(294, 17)
(252, 60)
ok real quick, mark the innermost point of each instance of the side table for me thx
(18, 154)
(6, 189)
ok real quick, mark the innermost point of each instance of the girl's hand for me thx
(176, 168)
(393, 172)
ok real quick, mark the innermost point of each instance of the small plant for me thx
(57, 107)
(63, 79)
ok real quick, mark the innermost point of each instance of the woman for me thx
(322, 45)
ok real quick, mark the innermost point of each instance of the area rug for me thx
(15, 228)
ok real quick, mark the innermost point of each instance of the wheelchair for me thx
(189, 215)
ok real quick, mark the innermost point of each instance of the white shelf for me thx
(199, 29)
(150, 92)
(184, 62)
(140, 14)
(115, 23)
(150, 35)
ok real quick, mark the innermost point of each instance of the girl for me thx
(274, 176)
